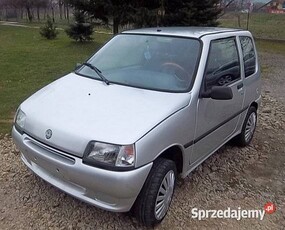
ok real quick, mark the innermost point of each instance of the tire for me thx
(163, 170)
(248, 128)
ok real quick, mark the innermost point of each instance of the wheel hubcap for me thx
(250, 127)
(164, 195)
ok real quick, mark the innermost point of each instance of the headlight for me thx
(20, 119)
(109, 155)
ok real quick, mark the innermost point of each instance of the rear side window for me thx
(249, 56)
(223, 65)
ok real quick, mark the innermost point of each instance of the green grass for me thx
(28, 62)
(266, 28)
(262, 25)
(269, 46)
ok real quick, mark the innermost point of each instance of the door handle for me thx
(239, 86)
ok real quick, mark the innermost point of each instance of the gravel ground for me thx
(232, 177)
(273, 75)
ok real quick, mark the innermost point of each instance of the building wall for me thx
(277, 7)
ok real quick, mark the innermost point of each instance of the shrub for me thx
(49, 30)
(81, 30)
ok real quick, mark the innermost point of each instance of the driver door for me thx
(217, 119)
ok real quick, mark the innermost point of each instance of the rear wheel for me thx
(248, 128)
(155, 197)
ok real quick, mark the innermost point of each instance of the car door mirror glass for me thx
(221, 93)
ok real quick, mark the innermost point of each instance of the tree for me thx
(81, 30)
(119, 10)
(185, 13)
(28, 5)
(40, 4)
(60, 4)
(49, 30)
(151, 12)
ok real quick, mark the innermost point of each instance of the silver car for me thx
(149, 106)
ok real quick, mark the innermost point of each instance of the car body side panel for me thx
(176, 130)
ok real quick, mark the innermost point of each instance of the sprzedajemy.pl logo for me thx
(237, 214)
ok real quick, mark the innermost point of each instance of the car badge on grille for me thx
(48, 134)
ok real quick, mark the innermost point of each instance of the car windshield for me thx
(151, 62)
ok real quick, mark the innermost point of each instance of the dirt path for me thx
(17, 24)
(232, 177)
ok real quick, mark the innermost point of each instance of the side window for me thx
(249, 56)
(223, 65)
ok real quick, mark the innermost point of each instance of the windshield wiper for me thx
(96, 70)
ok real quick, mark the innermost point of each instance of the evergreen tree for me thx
(120, 11)
(143, 13)
(178, 13)
(191, 13)
(81, 30)
(49, 30)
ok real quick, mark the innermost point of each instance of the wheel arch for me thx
(174, 153)
(254, 104)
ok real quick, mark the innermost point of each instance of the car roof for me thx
(193, 32)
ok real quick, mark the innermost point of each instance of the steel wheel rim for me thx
(228, 79)
(164, 195)
(222, 81)
(250, 127)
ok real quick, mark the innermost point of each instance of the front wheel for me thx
(155, 197)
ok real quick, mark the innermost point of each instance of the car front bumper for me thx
(109, 190)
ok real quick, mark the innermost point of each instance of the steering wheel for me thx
(179, 72)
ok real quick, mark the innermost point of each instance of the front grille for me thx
(48, 150)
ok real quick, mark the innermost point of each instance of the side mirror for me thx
(219, 93)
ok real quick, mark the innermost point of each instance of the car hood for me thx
(79, 109)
